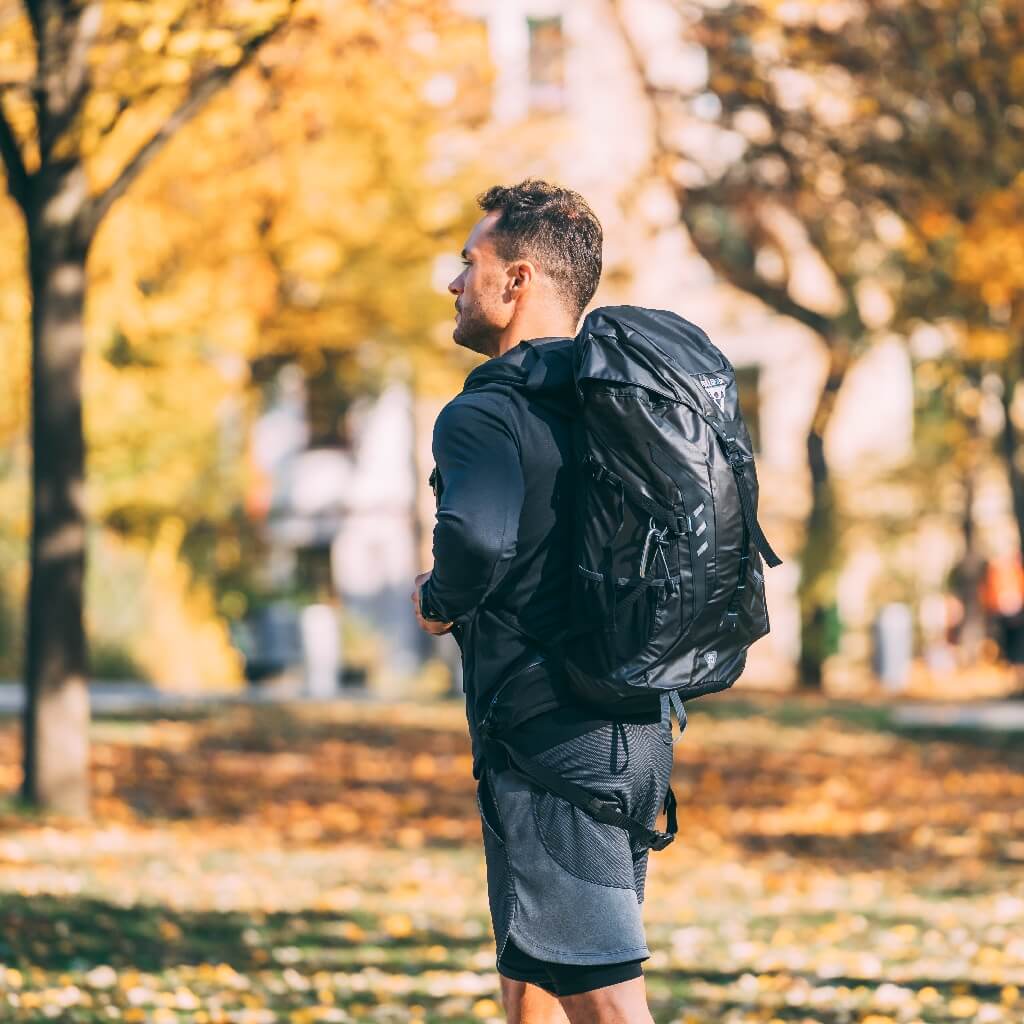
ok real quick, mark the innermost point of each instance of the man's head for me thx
(531, 265)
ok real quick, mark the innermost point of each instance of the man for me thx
(565, 891)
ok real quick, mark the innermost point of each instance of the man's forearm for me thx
(465, 570)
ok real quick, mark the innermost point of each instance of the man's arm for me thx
(478, 458)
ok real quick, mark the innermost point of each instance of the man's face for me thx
(483, 303)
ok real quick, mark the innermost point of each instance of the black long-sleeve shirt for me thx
(478, 456)
(502, 540)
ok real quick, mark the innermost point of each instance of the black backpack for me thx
(668, 592)
(669, 586)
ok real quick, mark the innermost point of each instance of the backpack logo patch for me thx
(711, 657)
(715, 387)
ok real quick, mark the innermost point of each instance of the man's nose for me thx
(455, 287)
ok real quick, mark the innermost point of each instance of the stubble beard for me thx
(475, 333)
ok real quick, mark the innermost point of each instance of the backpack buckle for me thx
(684, 525)
(663, 840)
(734, 454)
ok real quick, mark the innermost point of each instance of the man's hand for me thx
(431, 626)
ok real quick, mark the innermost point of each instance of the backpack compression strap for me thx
(738, 463)
(677, 524)
(605, 811)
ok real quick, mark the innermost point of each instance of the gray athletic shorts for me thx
(566, 888)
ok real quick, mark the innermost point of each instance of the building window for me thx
(547, 64)
(748, 380)
(330, 391)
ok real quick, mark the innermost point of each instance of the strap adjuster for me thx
(734, 454)
(598, 807)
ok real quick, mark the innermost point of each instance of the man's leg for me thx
(529, 1004)
(563, 862)
(624, 1003)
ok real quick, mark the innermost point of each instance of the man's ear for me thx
(523, 274)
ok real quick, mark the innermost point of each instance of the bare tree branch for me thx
(86, 28)
(652, 92)
(772, 295)
(123, 104)
(18, 180)
(71, 78)
(34, 9)
(200, 92)
(65, 101)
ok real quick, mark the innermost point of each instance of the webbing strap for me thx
(671, 824)
(750, 520)
(645, 586)
(600, 809)
(676, 523)
(608, 565)
(737, 463)
(730, 618)
(677, 703)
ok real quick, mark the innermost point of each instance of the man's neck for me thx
(536, 327)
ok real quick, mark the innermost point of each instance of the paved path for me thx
(994, 715)
(118, 697)
(114, 697)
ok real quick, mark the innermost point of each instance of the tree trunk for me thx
(816, 591)
(1011, 444)
(61, 220)
(56, 753)
(970, 571)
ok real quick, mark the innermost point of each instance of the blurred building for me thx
(333, 483)
(563, 102)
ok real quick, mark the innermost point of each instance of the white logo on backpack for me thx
(715, 387)
(711, 657)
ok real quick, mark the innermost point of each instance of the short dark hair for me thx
(557, 227)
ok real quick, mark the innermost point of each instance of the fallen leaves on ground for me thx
(322, 863)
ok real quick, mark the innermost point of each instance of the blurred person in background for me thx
(1002, 598)
(565, 891)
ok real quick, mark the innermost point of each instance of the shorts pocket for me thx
(488, 809)
(501, 895)
(598, 760)
(629, 763)
(588, 849)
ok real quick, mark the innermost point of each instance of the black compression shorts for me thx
(563, 979)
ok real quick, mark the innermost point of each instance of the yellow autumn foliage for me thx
(990, 257)
(183, 646)
(298, 213)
